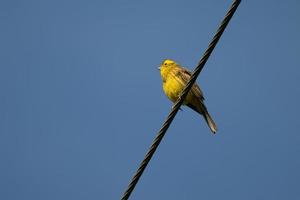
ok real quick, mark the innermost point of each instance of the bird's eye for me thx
(165, 63)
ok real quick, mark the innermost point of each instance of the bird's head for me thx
(166, 66)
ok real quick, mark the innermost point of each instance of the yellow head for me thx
(165, 67)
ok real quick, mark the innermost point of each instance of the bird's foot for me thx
(178, 109)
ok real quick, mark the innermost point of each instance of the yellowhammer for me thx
(174, 79)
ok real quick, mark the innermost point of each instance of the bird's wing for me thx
(185, 75)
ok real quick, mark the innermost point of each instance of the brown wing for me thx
(185, 75)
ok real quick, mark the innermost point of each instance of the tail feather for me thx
(210, 122)
(201, 109)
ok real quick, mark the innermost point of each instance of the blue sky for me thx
(81, 100)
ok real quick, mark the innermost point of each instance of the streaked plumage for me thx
(174, 79)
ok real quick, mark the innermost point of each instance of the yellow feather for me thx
(174, 78)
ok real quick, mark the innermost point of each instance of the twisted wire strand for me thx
(180, 100)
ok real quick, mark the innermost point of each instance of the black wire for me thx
(180, 100)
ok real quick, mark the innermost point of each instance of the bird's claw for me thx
(178, 109)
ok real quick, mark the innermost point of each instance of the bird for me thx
(174, 78)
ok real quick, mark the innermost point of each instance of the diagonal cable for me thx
(180, 100)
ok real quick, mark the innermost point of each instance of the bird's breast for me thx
(172, 89)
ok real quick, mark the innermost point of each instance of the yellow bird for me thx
(174, 78)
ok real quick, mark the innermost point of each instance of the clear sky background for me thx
(81, 100)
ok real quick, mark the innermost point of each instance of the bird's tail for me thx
(201, 109)
(210, 122)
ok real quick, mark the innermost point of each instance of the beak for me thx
(158, 68)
